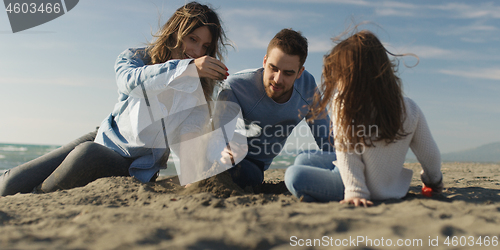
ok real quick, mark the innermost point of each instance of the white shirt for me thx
(378, 173)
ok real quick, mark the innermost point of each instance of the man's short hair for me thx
(291, 43)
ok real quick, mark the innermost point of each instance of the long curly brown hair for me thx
(364, 93)
(185, 20)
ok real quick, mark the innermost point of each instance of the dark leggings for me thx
(72, 165)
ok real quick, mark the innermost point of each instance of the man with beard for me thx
(274, 99)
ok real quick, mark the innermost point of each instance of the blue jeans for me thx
(314, 177)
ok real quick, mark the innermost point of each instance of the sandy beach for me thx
(122, 213)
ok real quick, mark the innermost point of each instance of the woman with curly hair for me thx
(374, 125)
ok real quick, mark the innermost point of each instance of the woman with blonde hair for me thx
(374, 125)
(126, 143)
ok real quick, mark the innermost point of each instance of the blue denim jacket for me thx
(132, 74)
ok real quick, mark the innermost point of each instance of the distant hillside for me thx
(485, 153)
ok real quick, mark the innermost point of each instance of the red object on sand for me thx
(426, 191)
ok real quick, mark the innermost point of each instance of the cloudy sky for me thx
(57, 79)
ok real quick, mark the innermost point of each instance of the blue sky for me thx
(57, 79)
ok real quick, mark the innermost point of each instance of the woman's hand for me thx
(436, 187)
(357, 202)
(210, 67)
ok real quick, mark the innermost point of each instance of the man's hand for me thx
(357, 202)
(232, 151)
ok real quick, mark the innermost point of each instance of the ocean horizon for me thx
(14, 154)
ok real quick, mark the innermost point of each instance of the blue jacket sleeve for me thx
(132, 70)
